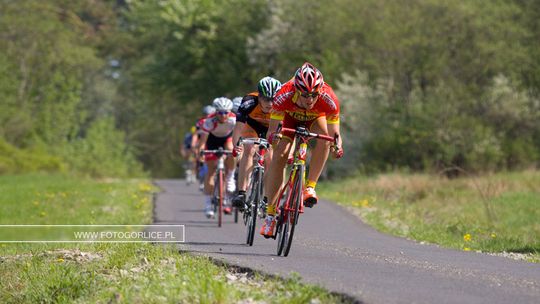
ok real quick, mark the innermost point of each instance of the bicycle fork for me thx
(297, 166)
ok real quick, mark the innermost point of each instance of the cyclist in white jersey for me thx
(217, 132)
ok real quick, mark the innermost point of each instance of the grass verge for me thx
(493, 213)
(116, 273)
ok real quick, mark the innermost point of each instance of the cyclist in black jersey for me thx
(252, 121)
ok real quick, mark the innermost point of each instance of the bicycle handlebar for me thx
(263, 143)
(305, 132)
(219, 152)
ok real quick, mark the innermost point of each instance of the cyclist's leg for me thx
(211, 163)
(274, 175)
(267, 162)
(272, 185)
(246, 162)
(319, 156)
(229, 160)
(230, 166)
(320, 152)
(193, 164)
(187, 168)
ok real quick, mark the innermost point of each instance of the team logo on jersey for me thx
(303, 116)
(247, 104)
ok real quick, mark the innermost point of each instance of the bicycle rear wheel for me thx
(296, 200)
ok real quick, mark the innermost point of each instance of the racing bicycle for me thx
(291, 201)
(220, 193)
(255, 206)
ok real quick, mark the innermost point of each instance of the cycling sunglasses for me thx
(308, 95)
(223, 112)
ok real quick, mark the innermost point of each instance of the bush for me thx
(435, 128)
(14, 160)
(102, 152)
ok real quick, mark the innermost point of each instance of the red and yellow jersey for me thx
(327, 105)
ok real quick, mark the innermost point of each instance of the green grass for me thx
(491, 213)
(140, 274)
(115, 273)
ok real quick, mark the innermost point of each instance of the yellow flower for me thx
(493, 235)
(144, 187)
(467, 237)
(466, 249)
(362, 203)
(60, 260)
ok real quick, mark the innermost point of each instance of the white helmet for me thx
(236, 103)
(222, 104)
(207, 110)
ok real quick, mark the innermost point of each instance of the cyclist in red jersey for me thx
(305, 100)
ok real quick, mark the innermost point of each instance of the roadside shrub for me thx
(435, 128)
(14, 160)
(102, 152)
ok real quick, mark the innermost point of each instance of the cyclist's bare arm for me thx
(333, 129)
(202, 141)
(272, 128)
(237, 131)
(194, 142)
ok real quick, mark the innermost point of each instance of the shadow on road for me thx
(228, 253)
(214, 244)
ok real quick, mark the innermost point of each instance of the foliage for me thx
(102, 152)
(440, 83)
(438, 129)
(49, 59)
(14, 160)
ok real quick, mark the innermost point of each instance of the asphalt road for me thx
(334, 249)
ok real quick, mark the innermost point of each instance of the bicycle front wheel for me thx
(294, 211)
(283, 223)
(220, 194)
(253, 203)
